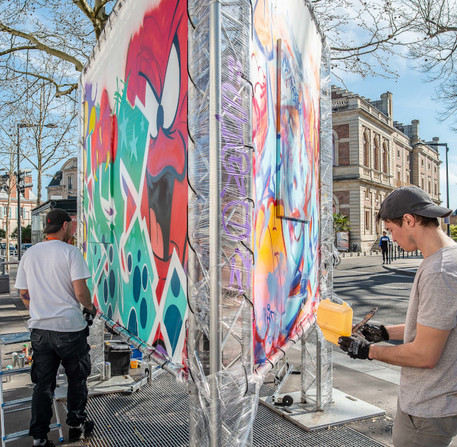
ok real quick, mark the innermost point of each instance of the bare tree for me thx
(51, 135)
(8, 166)
(48, 124)
(363, 35)
(62, 30)
(436, 50)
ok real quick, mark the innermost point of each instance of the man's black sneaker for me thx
(46, 443)
(88, 429)
(84, 430)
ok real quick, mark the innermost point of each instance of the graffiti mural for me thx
(286, 171)
(135, 174)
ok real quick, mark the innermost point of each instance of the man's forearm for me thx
(396, 332)
(25, 297)
(82, 293)
(85, 299)
(402, 355)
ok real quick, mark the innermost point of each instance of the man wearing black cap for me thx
(427, 405)
(51, 279)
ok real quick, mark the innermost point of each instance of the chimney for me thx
(414, 131)
(386, 104)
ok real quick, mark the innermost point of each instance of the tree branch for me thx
(13, 50)
(43, 47)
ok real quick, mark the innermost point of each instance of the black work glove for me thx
(356, 346)
(89, 315)
(374, 333)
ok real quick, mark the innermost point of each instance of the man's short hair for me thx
(424, 221)
(55, 219)
(410, 200)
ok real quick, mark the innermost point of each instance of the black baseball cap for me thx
(410, 200)
(55, 219)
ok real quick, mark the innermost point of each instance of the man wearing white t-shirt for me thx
(51, 279)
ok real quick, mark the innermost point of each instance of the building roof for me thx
(69, 205)
(56, 179)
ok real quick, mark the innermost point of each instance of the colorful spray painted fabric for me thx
(135, 176)
(285, 233)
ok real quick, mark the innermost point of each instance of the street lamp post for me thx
(434, 143)
(18, 176)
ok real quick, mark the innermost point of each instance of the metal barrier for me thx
(5, 277)
(396, 252)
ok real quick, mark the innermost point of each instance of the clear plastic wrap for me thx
(317, 369)
(238, 397)
(95, 341)
(324, 368)
(326, 187)
(150, 353)
(220, 228)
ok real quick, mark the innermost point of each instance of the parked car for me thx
(3, 248)
(24, 247)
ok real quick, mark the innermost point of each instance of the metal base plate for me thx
(342, 410)
(116, 384)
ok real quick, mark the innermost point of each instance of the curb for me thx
(354, 254)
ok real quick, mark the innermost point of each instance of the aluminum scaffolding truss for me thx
(220, 210)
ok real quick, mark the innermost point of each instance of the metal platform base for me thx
(342, 410)
(117, 384)
(158, 415)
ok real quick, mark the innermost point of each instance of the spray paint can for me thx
(21, 358)
(14, 357)
(107, 370)
(8, 377)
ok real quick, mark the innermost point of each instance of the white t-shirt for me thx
(47, 270)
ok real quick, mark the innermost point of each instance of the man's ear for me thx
(409, 220)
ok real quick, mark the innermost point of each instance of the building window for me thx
(422, 183)
(366, 149)
(376, 154)
(385, 158)
(422, 162)
(398, 153)
(70, 183)
(429, 187)
(367, 193)
(436, 189)
(367, 221)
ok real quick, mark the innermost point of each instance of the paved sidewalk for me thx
(404, 266)
(372, 382)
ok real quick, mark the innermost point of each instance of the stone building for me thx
(64, 183)
(9, 212)
(373, 155)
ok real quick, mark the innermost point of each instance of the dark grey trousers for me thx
(413, 431)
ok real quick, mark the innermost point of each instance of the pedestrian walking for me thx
(427, 404)
(51, 279)
(384, 244)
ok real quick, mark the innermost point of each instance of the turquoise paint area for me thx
(118, 247)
